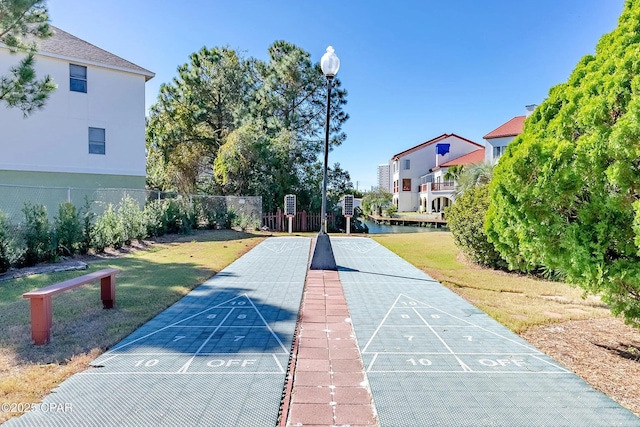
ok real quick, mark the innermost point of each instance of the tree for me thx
(240, 126)
(194, 115)
(566, 193)
(475, 174)
(453, 172)
(292, 96)
(21, 23)
(338, 184)
(251, 162)
(375, 201)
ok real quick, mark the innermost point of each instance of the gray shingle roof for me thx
(70, 46)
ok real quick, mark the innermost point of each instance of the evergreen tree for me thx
(566, 194)
(21, 23)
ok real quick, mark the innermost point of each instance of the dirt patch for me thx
(605, 352)
(552, 314)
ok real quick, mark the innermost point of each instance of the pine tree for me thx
(21, 23)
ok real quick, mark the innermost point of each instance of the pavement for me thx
(266, 342)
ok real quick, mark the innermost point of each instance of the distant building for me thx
(91, 133)
(498, 139)
(384, 177)
(411, 168)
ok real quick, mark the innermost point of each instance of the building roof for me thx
(68, 46)
(467, 159)
(430, 142)
(512, 128)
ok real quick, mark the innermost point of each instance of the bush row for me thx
(74, 230)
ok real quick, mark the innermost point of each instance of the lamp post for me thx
(323, 254)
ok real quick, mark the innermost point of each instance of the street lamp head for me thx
(330, 63)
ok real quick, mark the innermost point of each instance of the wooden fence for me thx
(303, 221)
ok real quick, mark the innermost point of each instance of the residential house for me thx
(498, 139)
(437, 190)
(409, 166)
(91, 132)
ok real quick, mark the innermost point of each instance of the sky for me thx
(413, 69)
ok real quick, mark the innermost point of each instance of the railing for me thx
(438, 186)
(443, 186)
(303, 221)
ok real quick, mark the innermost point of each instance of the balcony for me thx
(438, 186)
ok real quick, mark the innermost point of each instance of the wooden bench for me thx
(41, 314)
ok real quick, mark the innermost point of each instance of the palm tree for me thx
(453, 173)
(475, 174)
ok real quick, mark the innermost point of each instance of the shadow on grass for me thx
(143, 289)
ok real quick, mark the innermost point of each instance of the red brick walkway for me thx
(329, 384)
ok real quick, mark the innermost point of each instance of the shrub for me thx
(37, 235)
(68, 229)
(180, 216)
(465, 219)
(155, 219)
(131, 219)
(6, 244)
(87, 226)
(107, 231)
(390, 211)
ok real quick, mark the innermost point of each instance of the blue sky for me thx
(413, 69)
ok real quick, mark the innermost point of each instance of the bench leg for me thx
(108, 291)
(41, 320)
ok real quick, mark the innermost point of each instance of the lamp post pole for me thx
(323, 253)
(323, 215)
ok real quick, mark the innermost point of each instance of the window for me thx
(77, 78)
(395, 186)
(406, 184)
(407, 164)
(498, 151)
(97, 140)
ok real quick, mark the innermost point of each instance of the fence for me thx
(303, 221)
(14, 197)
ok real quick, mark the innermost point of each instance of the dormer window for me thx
(77, 78)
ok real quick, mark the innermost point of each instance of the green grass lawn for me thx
(516, 301)
(150, 281)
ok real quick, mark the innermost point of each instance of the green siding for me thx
(50, 189)
(64, 179)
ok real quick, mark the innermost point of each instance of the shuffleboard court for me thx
(433, 359)
(218, 357)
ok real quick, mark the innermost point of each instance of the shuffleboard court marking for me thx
(268, 327)
(414, 322)
(230, 308)
(280, 247)
(186, 365)
(278, 363)
(552, 364)
(532, 349)
(364, 350)
(462, 364)
(173, 324)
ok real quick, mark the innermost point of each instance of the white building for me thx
(498, 139)
(91, 132)
(409, 166)
(437, 191)
(384, 177)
